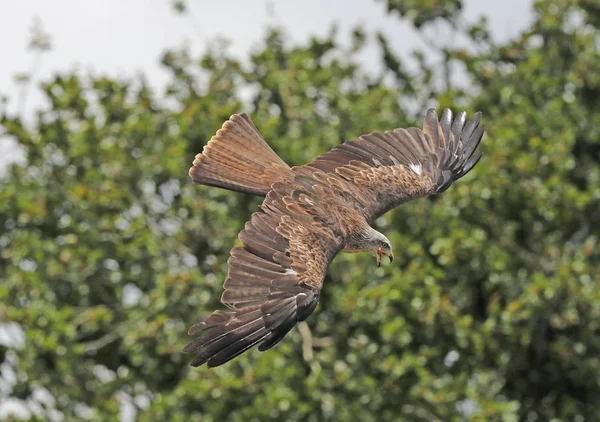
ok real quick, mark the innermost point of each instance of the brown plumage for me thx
(310, 214)
(238, 158)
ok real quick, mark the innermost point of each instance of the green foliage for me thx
(491, 310)
(421, 12)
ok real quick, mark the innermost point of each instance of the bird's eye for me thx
(385, 245)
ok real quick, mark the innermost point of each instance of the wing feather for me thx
(394, 167)
(274, 280)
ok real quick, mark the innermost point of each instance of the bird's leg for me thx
(309, 343)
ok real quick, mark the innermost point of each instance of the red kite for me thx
(310, 214)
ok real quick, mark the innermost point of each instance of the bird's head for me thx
(382, 246)
(372, 242)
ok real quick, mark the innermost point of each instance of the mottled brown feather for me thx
(309, 214)
(238, 158)
(404, 164)
(274, 280)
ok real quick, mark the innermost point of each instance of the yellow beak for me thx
(380, 253)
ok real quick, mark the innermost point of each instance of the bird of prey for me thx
(311, 213)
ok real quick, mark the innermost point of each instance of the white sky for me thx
(121, 37)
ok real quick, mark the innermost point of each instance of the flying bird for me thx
(310, 214)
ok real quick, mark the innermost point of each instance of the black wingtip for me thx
(471, 136)
(461, 160)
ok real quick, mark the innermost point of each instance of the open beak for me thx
(380, 253)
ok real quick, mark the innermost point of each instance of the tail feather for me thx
(238, 158)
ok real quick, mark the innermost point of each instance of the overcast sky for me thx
(123, 37)
(120, 37)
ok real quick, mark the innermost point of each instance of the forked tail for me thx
(238, 158)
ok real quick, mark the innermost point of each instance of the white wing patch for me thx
(309, 202)
(290, 271)
(416, 168)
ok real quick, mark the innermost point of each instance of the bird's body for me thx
(310, 214)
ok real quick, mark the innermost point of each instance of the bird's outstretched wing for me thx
(394, 167)
(274, 280)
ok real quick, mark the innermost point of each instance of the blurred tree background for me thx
(491, 311)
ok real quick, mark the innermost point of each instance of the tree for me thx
(109, 253)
